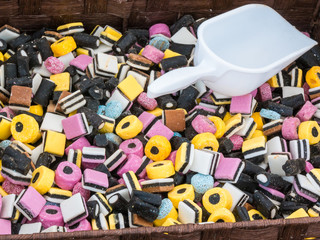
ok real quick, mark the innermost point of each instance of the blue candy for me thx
(202, 183)
(176, 134)
(4, 144)
(113, 109)
(269, 114)
(113, 138)
(165, 208)
(102, 110)
(160, 42)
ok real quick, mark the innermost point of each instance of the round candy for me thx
(216, 198)
(157, 148)
(309, 130)
(132, 146)
(160, 42)
(205, 141)
(313, 77)
(202, 124)
(180, 193)
(255, 215)
(166, 210)
(67, 175)
(63, 46)
(11, 188)
(5, 129)
(159, 28)
(51, 215)
(25, 128)
(220, 126)
(222, 215)
(160, 169)
(42, 179)
(129, 127)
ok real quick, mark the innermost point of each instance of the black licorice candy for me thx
(241, 214)
(143, 209)
(264, 205)
(272, 181)
(86, 40)
(153, 199)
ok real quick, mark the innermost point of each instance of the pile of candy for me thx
(84, 148)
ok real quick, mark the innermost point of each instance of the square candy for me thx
(81, 62)
(229, 169)
(95, 181)
(241, 104)
(75, 126)
(5, 227)
(20, 98)
(130, 87)
(52, 122)
(160, 129)
(30, 228)
(62, 80)
(54, 143)
(29, 203)
(74, 209)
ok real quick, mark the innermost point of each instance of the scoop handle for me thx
(176, 80)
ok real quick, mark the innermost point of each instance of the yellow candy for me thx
(1, 177)
(313, 77)
(300, 213)
(5, 128)
(313, 213)
(62, 80)
(216, 198)
(58, 193)
(180, 193)
(108, 126)
(173, 214)
(156, 112)
(205, 140)
(160, 169)
(309, 130)
(54, 143)
(7, 55)
(183, 157)
(25, 128)
(258, 119)
(64, 46)
(220, 125)
(129, 127)
(3, 193)
(273, 82)
(113, 221)
(169, 54)
(110, 34)
(233, 123)
(170, 222)
(1, 57)
(255, 215)
(82, 51)
(71, 27)
(258, 133)
(36, 109)
(253, 143)
(222, 215)
(227, 117)
(157, 148)
(42, 179)
(130, 87)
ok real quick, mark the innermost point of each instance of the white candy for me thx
(52, 121)
(302, 145)
(7, 206)
(118, 96)
(54, 229)
(184, 36)
(30, 228)
(292, 91)
(105, 64)
(72, 208)
(239, 198)
(205, 161)
(187, 213)
(276, 161)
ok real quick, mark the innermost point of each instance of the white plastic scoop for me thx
(238, 51)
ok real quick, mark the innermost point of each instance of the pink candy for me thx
(146, 102)
(307, 111)
(132, 164)
(289, 128)
(78, 144)
(241, 104)
(11, 188)
(79, 189)
(159, 28)
(54, 65)
(67, 175)
(202, 124)
(81, 62)
(153, 54)
(265, 92)
(237, 142)
(132, 146)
